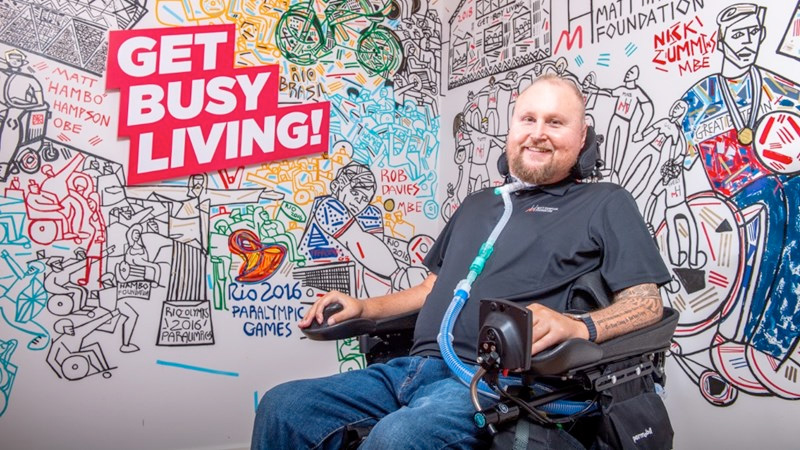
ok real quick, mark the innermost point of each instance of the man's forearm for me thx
(400, 302)
(633, 308)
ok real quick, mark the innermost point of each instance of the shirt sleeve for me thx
(435, 257)
(630, 255)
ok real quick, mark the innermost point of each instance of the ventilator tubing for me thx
(460, 297)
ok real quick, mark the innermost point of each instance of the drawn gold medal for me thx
(745, 136)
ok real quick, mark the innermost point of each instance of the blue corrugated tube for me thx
(460, 297)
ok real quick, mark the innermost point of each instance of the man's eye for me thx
(737, 34)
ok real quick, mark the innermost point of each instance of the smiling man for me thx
(559, 230)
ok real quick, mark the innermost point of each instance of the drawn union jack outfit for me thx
(751, 156)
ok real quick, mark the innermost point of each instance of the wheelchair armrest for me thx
(356, 327)
(652, 338)
(400, 322)
(567, 355)
(577, 354)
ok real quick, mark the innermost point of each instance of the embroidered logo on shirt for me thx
(544, 209)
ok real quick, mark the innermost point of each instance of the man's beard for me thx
(533, 175)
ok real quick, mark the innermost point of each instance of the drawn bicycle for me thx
(303, 39)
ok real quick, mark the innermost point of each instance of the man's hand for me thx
(400, 302)
(351, 308)
(551, 328)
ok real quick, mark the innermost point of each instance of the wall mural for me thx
(96, 272)
(715, 175)
(491, 36)
(741, 125)
(89, 262)
(68, 32)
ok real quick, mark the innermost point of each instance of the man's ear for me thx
(585, 127)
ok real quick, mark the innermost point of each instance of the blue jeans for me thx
(413, 402)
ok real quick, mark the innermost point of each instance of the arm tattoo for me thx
(633, 308)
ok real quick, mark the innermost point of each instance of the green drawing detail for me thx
(303, 39)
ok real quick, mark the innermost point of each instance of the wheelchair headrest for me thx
(588, 164)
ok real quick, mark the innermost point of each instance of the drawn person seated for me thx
(65, 295)
(70, 356)
(71, 205)
(670, 197)
(11, 224)
(44, 205)
(19, 92)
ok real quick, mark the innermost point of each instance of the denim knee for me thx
(272, 415)
(273, 398)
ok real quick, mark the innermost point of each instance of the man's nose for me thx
(536, 133)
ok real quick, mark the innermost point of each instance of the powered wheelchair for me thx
(603, 394)
(615, 380)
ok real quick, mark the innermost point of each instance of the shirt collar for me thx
(559, 188)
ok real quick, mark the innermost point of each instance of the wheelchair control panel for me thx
(505, 336)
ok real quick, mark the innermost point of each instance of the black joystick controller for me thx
(327, 312)
(340, 330)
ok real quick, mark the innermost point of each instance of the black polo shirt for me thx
(556, 233)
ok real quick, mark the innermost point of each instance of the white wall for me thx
(725, 389)
(151, 393)
(203, 396)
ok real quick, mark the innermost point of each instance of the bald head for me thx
(572, 88)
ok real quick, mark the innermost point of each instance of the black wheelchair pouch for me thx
(526, 435)
(633, 416)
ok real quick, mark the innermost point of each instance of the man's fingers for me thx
(550, 338)
(315, 311)
(321, 309)
(311, 314)
(541, 330)
(336, 318)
